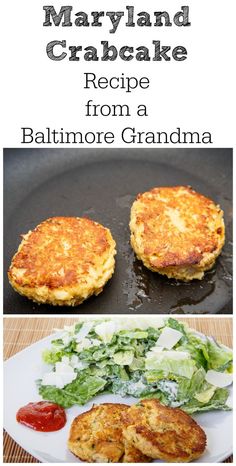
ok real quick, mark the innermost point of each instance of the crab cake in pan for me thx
(63, 261)
(96, 435)
(177, 232)
(163, 433)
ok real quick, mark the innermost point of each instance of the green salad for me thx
(145, 358)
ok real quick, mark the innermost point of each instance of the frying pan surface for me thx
(102, 184)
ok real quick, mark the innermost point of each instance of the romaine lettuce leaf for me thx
(188, 387)
(208, 353)
(134, 335)
(78, 392)
(220, 358)
(155, 376)
(159, 395)
(176, 325)
(123, 358)
(78, 327)
(138, 364)
(153, 334)
(197, 350)
(183, 367)
(206, 395)
(52, 356)
(218, 401)
(118, 372)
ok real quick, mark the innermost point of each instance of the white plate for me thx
(20, 373)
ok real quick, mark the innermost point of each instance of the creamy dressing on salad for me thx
(169, 387)
(166, 360)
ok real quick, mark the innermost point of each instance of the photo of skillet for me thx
(102, 184)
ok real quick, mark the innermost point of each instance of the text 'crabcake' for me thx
(163, 433)
(96, 436)
(63, 261)
(177, 232)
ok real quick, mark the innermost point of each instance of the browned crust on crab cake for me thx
(163, 433)
(133, 455)
(63, 261)
(176, 231)
(96, 435)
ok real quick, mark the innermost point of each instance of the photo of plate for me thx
(23, 369)
(102, 184)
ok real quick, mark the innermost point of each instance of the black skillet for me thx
(102, 184)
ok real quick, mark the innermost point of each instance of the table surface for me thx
(22, 332)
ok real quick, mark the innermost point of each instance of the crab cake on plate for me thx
(63, 261)
(163, 433)
(96, 435)
(133, 455)
(177, 232)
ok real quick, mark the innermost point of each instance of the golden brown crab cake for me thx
(63, 261)
(133, 455)
(163, 433)
(96, 435)
(177, 232)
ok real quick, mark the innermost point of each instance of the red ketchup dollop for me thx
(43, 416)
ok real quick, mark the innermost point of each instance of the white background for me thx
(195, 94)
